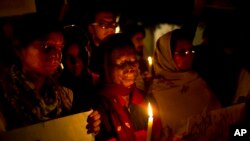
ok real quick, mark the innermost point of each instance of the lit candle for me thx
(150, 122)
(150, 62)
(62, 67)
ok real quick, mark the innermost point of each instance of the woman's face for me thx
(125, 67)
(183, 55)
(72, 60)
(43, 57)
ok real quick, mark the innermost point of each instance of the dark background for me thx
(148, 11)
(152, 12)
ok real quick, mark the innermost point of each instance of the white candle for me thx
(150, 122)
(150, 62)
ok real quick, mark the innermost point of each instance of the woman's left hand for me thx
(94, 122)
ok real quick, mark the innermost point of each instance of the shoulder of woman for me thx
(68, 92)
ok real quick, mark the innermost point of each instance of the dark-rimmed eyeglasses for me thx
(106, 25)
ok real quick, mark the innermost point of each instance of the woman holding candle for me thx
(178, 90)
(123, 107)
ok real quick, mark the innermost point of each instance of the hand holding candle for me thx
(150, 122)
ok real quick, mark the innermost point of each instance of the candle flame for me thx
(150, 60)
(150, 111)
(62, 67)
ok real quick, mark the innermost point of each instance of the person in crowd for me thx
(219, 60)
(137, 34)
(178, 90)
(101, 23)
(76, 74)
(123, 107)
(242, 93)
(29, 92)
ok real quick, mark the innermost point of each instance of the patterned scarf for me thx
(31, 106)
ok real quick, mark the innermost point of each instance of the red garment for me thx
(140, 136)
(120, 116)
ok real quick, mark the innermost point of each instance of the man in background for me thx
(101, 23)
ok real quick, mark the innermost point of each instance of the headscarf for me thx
(164, 65)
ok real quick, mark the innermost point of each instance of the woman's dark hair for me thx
(178, 34)
(30, 27)
(133, 28)
(114, 42)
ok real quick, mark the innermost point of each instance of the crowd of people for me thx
(51, 70)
